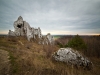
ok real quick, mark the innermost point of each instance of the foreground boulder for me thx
(69, 56)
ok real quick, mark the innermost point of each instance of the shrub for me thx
(77, 43)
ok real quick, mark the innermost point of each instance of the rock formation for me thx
(48, 39)
(11, 33)
(69, 56)
(22, 28)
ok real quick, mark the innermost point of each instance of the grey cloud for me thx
(60, 15)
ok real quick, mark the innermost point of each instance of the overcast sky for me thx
(53, 16)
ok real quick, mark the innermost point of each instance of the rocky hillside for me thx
(21, 57)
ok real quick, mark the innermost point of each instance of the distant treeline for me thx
(3, 35)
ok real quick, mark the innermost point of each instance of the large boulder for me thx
(70, 56)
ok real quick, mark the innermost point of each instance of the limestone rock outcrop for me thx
(48, 39)
(11, 33)
(22, 28)
(69, 56)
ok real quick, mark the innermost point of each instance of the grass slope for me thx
(30, 58)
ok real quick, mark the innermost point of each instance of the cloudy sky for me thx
(55, 16)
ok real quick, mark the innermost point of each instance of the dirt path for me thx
(4, 62)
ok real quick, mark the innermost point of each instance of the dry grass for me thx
(4, 62)
(29, 58)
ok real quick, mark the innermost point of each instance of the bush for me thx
(77, 43)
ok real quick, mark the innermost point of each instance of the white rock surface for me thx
(22, 28)
(11, 33)
(47, 39)
(50, 39)
(70, 56)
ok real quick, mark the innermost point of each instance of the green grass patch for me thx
(14, 65)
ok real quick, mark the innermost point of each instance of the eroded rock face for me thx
(22, 28)
(11, 33)
(50, 38)
(19, 27)
(70, 56)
